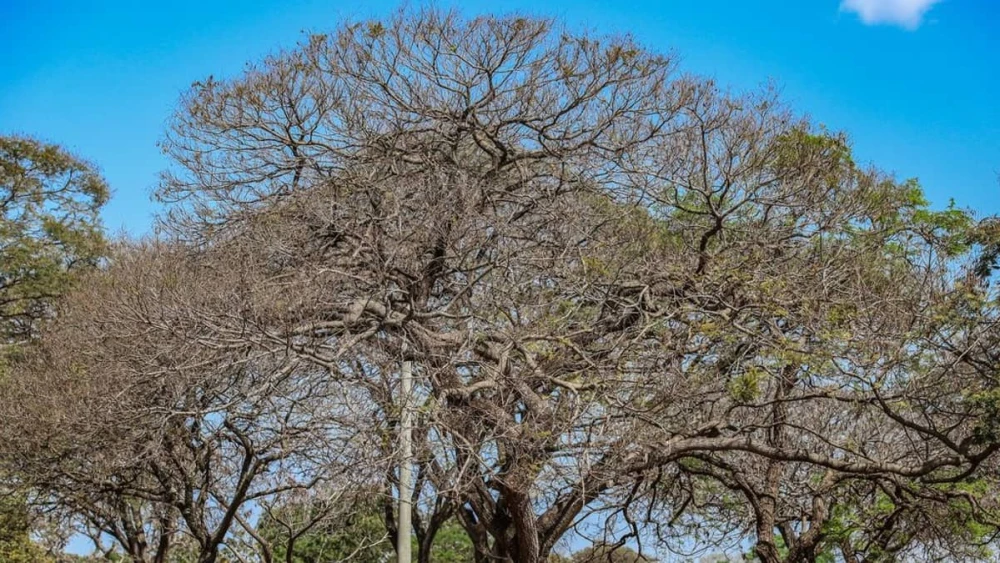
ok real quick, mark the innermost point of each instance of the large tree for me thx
(625, 290)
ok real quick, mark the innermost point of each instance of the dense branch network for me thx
(641, 309)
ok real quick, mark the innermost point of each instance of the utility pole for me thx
(403, 526)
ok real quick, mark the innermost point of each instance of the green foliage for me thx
(987, 403)
(49, 226)
(745, 388)
(361, 537)
(855, 523)
(15, 533)
(602, 553)
(452, 544)
(986, 237)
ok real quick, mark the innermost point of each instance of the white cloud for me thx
(905, 13)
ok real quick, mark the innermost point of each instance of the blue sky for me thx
(914, 82)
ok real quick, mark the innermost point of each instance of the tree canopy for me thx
(49, 225)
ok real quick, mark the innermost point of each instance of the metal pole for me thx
(403, 526)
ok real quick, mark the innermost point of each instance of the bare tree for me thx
(143, 416)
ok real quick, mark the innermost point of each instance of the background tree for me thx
(142, 416)
(360, 536)
(49, 230)
(609, 554)
(49, 226)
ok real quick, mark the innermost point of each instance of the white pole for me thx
(403, 526)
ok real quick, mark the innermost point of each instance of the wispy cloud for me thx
(905, 13)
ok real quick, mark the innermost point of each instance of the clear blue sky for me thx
(916, 90)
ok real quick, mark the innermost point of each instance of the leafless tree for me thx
(143, 416)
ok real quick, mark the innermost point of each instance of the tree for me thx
(629, 295)
(143, 418)
(361, 536)
(16, 545)
(49, 230)
(49, 227)
(638, 306)
(591, 106)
